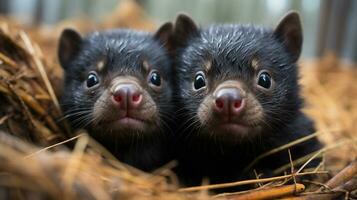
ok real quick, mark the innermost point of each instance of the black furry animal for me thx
(118, 86)
(239, 95)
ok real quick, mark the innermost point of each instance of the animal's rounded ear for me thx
(70, 43)
(165, 35)
(185, 28)
(289, 31)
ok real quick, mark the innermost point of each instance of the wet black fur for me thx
(231, 49)
(124, 52)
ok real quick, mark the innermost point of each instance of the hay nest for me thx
(36, 164)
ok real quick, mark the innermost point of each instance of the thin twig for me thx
(7, 60)
(327, 148)
(343, 176)
(292, 166)
(267, 193)
(4, 118)
(245, 182)
(54, 145)
(280, 148)
(315, 154)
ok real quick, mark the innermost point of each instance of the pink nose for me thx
(229, 101)
(127, 96)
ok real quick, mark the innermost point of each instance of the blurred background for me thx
(329, 25)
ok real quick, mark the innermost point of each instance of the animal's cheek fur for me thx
(253, 113)
(149, 110)
(205, 112)
(104, 107)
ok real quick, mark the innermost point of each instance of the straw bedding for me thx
(35, 163)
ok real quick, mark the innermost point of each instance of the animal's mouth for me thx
(130, 121)
(233, 127)
(127, 122)
(230, 126)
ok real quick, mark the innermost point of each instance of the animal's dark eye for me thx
(155, 78)
(264, 80)
(92, 80)
(200, 81)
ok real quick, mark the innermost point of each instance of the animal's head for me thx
(238, 80)
(116, 82)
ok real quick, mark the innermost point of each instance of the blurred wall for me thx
(263, 12)
(329, 25)
(338, 29)
(51, 11)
